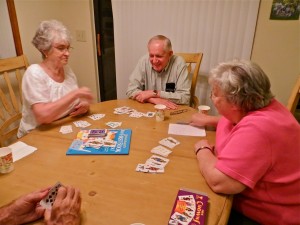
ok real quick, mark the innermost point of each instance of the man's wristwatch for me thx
(203, 147)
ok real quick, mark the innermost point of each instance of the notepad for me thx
(20, 150)
(186, 130)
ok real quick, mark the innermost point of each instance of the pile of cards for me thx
(81, 123)
(132, 112)
(96, 116)
(155, 164)
(66, 129)
(114, 124)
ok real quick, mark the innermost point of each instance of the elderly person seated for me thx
(50, 89)
(257, 149)
(160, 77)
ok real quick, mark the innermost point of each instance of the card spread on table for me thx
(190, 207)
(48, 201)
(132, 112)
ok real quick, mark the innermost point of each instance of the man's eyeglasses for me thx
(64, 49)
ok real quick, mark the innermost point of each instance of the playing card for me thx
(169, 142)
(114, 124)
(81, 123)
(154, 169)
(141, 168)
(160, 150)
(48, 201)
(96, 116)
(66, 129)
(157, 161)
(149, 114)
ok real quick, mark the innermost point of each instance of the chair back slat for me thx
(294, 97)
(12, 95)
(193, 59)
(11, 71)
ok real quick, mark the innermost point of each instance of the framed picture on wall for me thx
(285, 10)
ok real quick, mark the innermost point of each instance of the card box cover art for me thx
(189, 208)
(101, 142)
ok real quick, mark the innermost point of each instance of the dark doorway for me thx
(105, 49)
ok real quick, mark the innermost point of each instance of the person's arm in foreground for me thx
(66, 208)
(217, 181)
(48, 112)
(24, 209)
(201, 119)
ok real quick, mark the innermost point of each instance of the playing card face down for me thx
(48, 201)
(190, 208)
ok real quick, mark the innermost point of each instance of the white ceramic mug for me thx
(6, 160)
(160, 112)
(204, 109)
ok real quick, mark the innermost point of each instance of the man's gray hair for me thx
(168, 44)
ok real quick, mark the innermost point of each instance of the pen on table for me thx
(183, 122)
(178, 111)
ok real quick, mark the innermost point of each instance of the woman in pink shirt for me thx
(256, 156)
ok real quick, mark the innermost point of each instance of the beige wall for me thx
(76, 15)
(277, 50)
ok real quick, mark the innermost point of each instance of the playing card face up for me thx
(169, 142)
(48, 201)
(160, 150)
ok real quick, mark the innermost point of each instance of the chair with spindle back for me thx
(193, 59)
(11, 71)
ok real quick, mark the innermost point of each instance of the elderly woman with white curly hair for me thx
(50, 89)
(256, 156)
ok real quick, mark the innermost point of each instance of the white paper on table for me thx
(20, 150)
(186, 130)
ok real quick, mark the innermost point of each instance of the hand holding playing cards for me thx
(24, 209)
(66, 207)
(81, 108)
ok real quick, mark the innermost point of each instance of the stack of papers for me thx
(20, 150)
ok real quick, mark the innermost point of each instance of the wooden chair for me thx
(193, 61)
(294, 97)
(11, 70)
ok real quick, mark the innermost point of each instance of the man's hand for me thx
(24, 209)
(66, 208)
(143, 96)
(167, 103)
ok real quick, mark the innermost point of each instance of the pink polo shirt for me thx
(263, 152)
